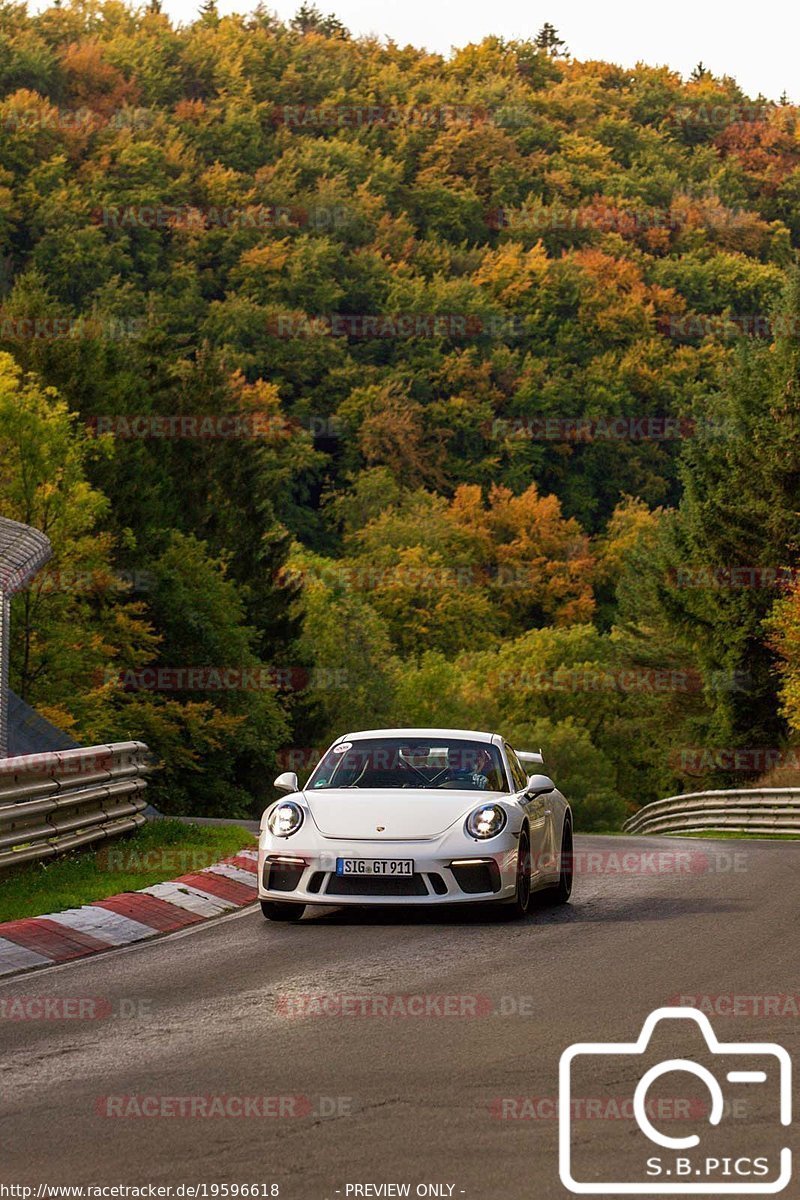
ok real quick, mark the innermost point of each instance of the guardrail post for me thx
(5, 630)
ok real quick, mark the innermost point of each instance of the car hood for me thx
(403, 813)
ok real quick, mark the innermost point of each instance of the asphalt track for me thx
(418, 1097)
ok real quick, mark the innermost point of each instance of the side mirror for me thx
(287, 782)
(539, 785)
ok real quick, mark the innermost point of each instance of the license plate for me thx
(374, 866)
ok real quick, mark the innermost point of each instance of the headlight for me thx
(285, 819)
(486, 821)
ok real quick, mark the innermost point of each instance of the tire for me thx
(277, 910)
(562, 891)
(520, 906)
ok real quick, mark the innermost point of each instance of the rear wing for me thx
(531, 758)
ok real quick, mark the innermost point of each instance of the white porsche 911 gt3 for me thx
(415, 816)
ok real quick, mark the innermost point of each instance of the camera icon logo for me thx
(732, 1078)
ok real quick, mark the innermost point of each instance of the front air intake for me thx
(476, 877)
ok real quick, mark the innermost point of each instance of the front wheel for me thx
(276, 910)
(520, 905)
(562, 891)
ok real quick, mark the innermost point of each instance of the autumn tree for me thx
(309, 19)
(547, 39)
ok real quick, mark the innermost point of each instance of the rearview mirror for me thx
(287, 782)
(539, 785)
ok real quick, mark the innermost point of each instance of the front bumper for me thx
(442, 874)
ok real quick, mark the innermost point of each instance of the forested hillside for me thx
(355, 385)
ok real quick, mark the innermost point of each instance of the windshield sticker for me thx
(342, 747)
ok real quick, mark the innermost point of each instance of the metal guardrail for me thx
(753, 810)
(54, 802)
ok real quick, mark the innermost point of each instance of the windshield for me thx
(434, 763)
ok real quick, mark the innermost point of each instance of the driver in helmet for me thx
(473, 768)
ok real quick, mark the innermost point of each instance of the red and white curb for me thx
(130, 917)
